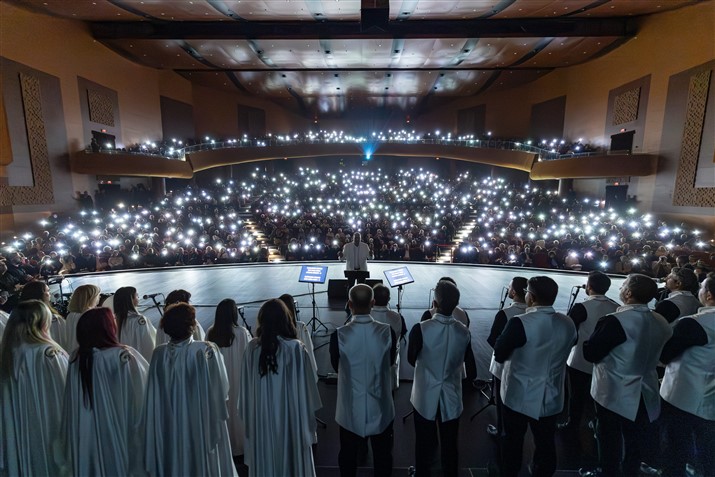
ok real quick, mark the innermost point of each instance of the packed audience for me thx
(548, 149)
(407, 215)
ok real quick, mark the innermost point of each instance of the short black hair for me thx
(381, 294)
(544, 289)
(599, 282)
(519, 285)
(642, 287)
(446, 294)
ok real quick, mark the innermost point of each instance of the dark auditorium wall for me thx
(215, 113)
(547, 119)
(177, 119)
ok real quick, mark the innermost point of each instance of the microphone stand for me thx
(572, 301)
(158, 307)
(491, 399)
(243, 317)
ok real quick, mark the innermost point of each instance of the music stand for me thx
(397, 277)
(313, 274)
(358, 276)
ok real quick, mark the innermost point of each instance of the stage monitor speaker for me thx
(338, 288)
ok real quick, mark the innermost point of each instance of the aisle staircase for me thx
(445, 255)
(274, 254)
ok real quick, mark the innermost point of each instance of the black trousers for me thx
(622, 442)
(580, 400)
(426, 434)
(351, 443)
(512, 442)
(691, 439)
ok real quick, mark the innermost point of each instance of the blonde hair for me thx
(83, 298)
(29, 322)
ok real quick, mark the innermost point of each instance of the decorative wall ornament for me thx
(100, 108)
(41, 192)
(625, 107)
(685, 193)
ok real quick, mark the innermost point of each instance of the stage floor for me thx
(250, 285)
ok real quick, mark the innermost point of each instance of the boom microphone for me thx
(580, 286)
(151, 295)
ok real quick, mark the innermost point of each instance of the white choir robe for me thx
(233, 359)
(304, 336)
(106, 439)
(186, 432)
(70, 341)
(139, 333)
(3, 322)
(31, 410)
(58, 330)
(278, 411)
(163, 338)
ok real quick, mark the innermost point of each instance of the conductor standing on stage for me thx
(356, 255)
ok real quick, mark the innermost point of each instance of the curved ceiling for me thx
(324, 57)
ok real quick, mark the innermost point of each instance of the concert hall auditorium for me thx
(357, 237)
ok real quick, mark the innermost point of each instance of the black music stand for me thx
(313, 274)
(358, 276)
(491, 399)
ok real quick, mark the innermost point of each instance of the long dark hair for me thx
(225, 320)
(273, 321)
(290, 304)
(35, 290)
(123, 304)
(96, 328)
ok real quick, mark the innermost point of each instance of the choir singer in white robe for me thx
(186, 432)
(32, 380)
(104, 401)
(231, 338)
(132, 328)
(178, 296)
(278, 398)
(83, 298)
(37, 290)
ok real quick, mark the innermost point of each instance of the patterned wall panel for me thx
(685, 192)
(100, 108)
(41, 192)
(625, 107)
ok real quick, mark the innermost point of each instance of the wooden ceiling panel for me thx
(541, 8)
(338, 10)
(88, 10)
(570, 51)
(499, 52)
(228, 54)
(624, 8)
(512, 78)
(184, 10)
(162, 54)
(295, 10)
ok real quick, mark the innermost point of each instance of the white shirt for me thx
(356, 256)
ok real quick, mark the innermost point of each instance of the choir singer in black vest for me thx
(625, 348)
(438, 348)
(362, 353)
(533, 347)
